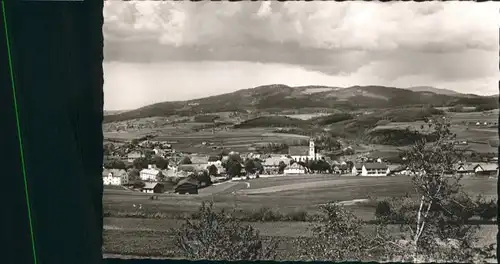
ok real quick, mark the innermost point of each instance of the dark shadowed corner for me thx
(57, 58)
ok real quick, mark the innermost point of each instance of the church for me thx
(303, 153)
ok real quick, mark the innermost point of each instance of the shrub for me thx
(298, 216)
(218, 236)
(339, 237)
(382, 209)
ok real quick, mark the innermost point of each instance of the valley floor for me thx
(128, 235)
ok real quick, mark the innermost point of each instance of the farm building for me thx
(303, 153)
(271, 165)
(356, 169)
(134, 155)
(149, 174)
(295, 169)
(486, 169)
(370, 169)
(220, 169)
(159, 152)
(400, 170)
(198, 159)
(153, 187)
(169, 172)
(465, 169)
(114, 177)
(191, 168)
(339, 168)
(187, 186)
(214, 160)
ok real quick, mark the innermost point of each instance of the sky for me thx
(166, 51)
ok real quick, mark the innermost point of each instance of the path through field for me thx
(305, 185)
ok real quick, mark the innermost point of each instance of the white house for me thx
(271, 164)
(486, 168)
(400, 170)
(111, 180)
(370, 169)
(214, 160)
(149, 174)
(466, 169)
(114, 177)
(295, 169)
(303, 153)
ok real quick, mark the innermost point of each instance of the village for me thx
(151, 166)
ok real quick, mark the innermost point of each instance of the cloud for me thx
(436, 26)
(450, 45)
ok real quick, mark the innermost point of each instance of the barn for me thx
(153, 187)
(187, 186)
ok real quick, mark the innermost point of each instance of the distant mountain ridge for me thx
(278, 97)
(437, 91)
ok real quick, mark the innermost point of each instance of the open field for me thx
(234, 139)
(286, 194)
(127, 135)
(307, 116)
(477, 137)
(490, 116)
(153, 237)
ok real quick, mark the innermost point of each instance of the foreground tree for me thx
(435, 222)
(218, 236)
(340, 236)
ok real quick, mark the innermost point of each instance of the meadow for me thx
(286, 194)
(126, 232)
(238, 140)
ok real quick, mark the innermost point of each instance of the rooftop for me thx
(150, 171)
(295, 166)
(375, 166)
(275, 161)
(116, 172)
(188, 180)
(213, 158)
(488, 166)
(150, 185)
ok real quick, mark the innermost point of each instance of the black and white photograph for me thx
(301, 131)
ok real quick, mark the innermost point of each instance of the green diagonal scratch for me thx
(23, 166)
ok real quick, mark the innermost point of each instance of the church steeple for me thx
(312, 151)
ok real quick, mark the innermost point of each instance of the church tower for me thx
(312, 151)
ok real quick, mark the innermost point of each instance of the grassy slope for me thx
(151, 236)
(289, 200)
